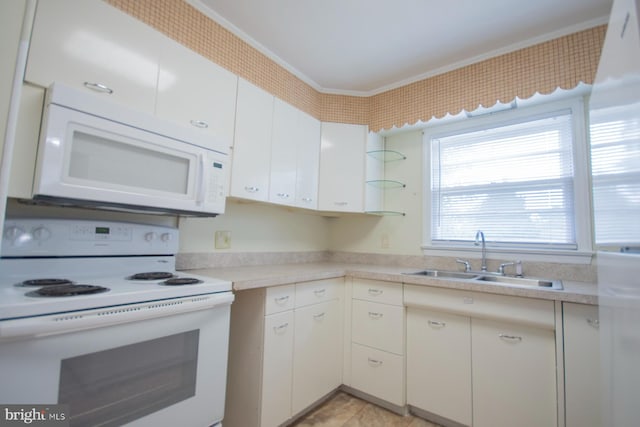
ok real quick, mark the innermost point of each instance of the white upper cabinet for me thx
(308, 161)
(284, 140)
(342, 167)
(252, 143)
(94, 46)
(196, 92)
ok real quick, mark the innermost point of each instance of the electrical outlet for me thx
(384, 241)
(223, 239)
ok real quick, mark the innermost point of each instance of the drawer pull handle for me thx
(283, 195)
(375, 292)
(199, 124)
(319, 316)
(98, 87)
(281, 300)
(341, 203)
(251, 189)
(281, 328)
(375, 315)
(374, 362)
(307, 199)
(437, 324)
(511, 338)
(320, 292)
(593, 322)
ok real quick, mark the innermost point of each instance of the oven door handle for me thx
(97, 318)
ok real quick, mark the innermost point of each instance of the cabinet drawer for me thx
(318, 291)
(279, 298)
(529, 311)
(378, 373)
(377, 291)
(378, 325)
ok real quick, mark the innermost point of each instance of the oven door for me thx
(85, 158)
(168, 370)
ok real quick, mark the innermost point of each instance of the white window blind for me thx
(615, 165)
(513, 181)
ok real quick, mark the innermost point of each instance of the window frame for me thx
(581, 182)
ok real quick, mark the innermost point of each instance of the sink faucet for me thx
(480, 238)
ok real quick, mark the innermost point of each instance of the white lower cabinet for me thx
(278, 368)
(514, 375)
(439, 352)
(285, 351)
(479, 359)
(581, 365)
(317, 353)
(378, 340)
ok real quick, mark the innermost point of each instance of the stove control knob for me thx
(150, 236)
(165, 237)
(14, 233)
(41, 234)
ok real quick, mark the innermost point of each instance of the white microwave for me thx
(99, 154)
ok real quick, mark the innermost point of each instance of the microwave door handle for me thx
(200, 183)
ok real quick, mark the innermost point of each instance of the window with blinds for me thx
(514, 181)
(615, 150)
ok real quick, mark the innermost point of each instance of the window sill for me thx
(539, 255)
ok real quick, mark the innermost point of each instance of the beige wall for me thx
(256, 227)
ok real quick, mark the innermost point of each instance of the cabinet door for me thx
(342, 152)
(92, 45)
(439, 363)
(252, 143)
(317, 362)
(197, 93)
(581, 365)
(277, 369)
(284, 141)
(378, 325)
(514, 375)
(308, 161)
(378, 373)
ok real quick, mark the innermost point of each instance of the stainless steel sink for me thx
(522, 281)
(490, 278)
(444, 274)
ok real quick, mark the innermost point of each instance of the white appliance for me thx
(93, 315)
(615, 149)
(96, 153)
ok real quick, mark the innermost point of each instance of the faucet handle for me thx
(518, 269)
(503, 265)
(467, 265)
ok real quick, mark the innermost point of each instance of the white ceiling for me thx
(363, 47)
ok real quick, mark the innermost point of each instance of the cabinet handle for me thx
(374, 362)
(319, 292)
(307, 199)
(341, 203)
(281, 300)
(98, 87)
(199, 124)
(318, 316)
(278, 329)
(375, 292)
(436, 323)
(593, 322)
(251, 189)
(512, 338)
(283, 195)
(375, 315)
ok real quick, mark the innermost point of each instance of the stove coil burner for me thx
(68, 290)
(46, 282)
(179, 281)
(152, 275)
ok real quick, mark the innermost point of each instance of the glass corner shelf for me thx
(385, 213)
(386, 155)
(386, 183)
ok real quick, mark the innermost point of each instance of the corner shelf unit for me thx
(381, 155)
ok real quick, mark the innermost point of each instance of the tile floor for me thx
(344, 410)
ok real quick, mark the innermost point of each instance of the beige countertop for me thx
(251, 277)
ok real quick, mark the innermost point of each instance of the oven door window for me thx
(116, 386)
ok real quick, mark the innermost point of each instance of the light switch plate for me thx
(223, 239)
